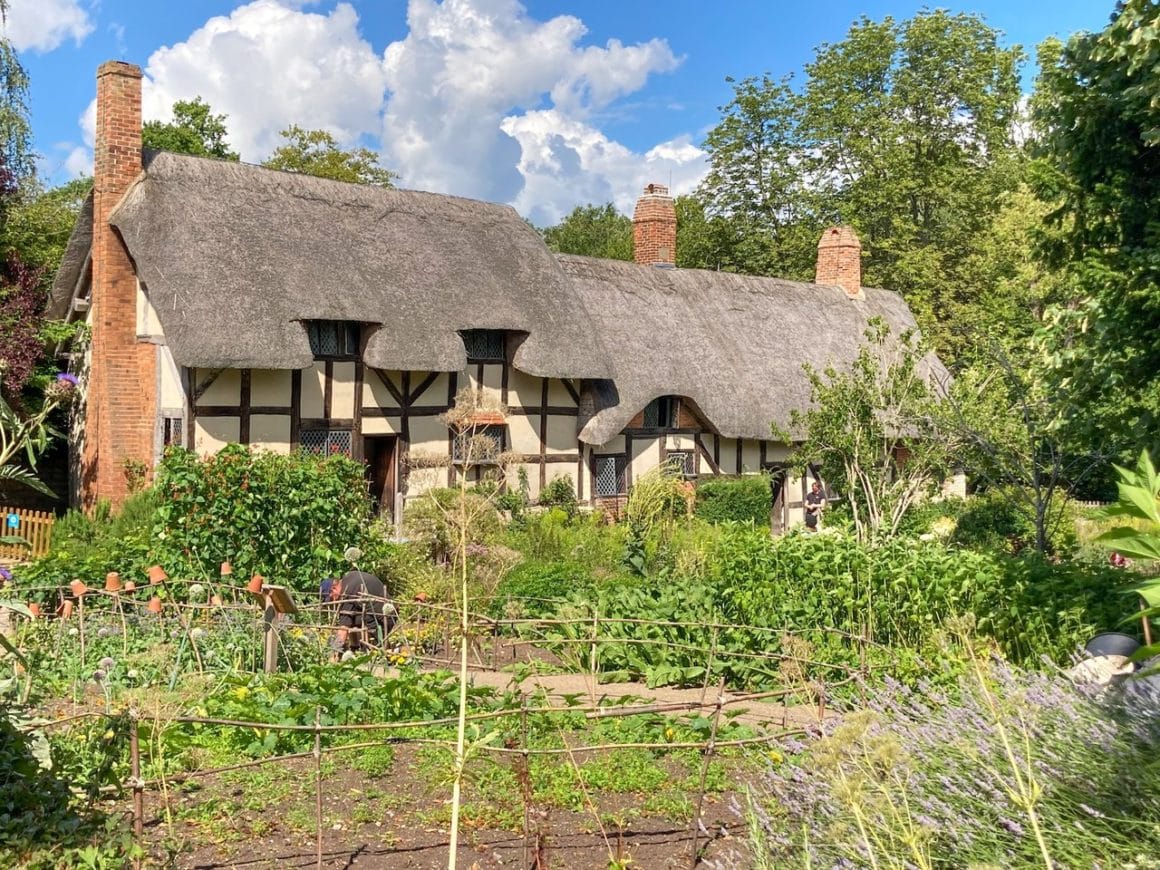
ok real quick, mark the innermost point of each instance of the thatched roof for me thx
(76, 256)
(732, 344)
(233, 257)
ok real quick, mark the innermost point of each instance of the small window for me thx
(326, 442)
(173, 431)
(682, 462)
(333, 339)
(479, 445)
(484, 345)
(610, 476)
(661, 413)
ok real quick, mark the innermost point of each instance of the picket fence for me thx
(34, 527)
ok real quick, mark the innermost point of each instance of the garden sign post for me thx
(275, 600)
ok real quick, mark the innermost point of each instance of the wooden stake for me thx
(138, 788)
(318, 782)
(1146, 624)
(268, 618)
(695, 853)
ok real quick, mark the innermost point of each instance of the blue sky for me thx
(543, 103)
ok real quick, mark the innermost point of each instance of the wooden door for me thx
(379, 452)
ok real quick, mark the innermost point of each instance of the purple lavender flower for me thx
(65, 377)
(5, 575)
(1011, 825)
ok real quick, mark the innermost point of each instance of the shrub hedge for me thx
(734, 499)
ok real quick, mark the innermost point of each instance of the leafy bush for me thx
(90, 547)
(734, 499)
(560, 493)
(535, 589)
(584, 540)
(287, 517)
(997, 521)
(434, 520)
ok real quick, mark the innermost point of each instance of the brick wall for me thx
(122, 386)
(840, 260)
(654, 227)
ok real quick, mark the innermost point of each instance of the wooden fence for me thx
(35, 527)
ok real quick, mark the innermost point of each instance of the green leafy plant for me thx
(738, 499)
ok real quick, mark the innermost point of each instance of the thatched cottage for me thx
(234, 303)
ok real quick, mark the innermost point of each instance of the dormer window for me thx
(661, 413)
(333, 339)
(484, 345)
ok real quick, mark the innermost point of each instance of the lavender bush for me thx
(1017, 769)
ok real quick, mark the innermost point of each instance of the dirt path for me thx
(579, 689)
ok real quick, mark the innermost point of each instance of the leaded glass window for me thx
(484, 345)
(333, 338)
(610, 476)
(326, 442)
(661, 413)
(682, 462)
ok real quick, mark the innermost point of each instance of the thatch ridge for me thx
(76, 254)
(732, 344)
(233, 257)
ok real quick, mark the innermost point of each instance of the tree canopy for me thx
(1097, 114)
(316, 152)
(195, 130)
(592, 231)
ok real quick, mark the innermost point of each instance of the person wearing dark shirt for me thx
(365, 616)
(815, 504)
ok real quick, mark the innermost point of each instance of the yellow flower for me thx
(775, 756)
(109, 735)
(670, 734)
(241, 693)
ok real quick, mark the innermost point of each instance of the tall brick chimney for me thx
(121, 390)
(840, 260)
(654, 227)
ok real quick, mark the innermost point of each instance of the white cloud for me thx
(467, 68)
(566, 162)
(42, 25)
(477, 100)
(78, 161)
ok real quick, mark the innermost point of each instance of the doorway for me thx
(379, 454)
(778, 510)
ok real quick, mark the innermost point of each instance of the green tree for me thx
(316, 152)
(195, 130)
(905, 130)
(873, 429)
(1097, 115)
(757, 185)
(41, 221)
(16, 159)
(592, 231)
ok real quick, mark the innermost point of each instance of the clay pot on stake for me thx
(157, 575)
(78, 587)
(113, 582)
(34, 609)
(154, 605)
(256, 583)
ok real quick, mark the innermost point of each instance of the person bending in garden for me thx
(365, 616)
(815, 504)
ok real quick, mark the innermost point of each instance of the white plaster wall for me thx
(211, 434)
(561, 435)
(523, 389)
(313, 381)
(270, 387)
(380, 426)
(524, 434)
(342, 391)
(270, 431)
(225, 390)
(375, 394)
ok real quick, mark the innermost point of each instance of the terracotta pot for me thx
(227, 569)
(215, 600)
(78, 588)
(113, 582)
(66, 610)
(130, 585)
(157, 575)
(421, 597)
(256, 583)
(34, 609)
(154, 604)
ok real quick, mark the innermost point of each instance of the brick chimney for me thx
(840, 260)
(121, 390)
(654, 228)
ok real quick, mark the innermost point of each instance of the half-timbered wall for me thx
(344, 405)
